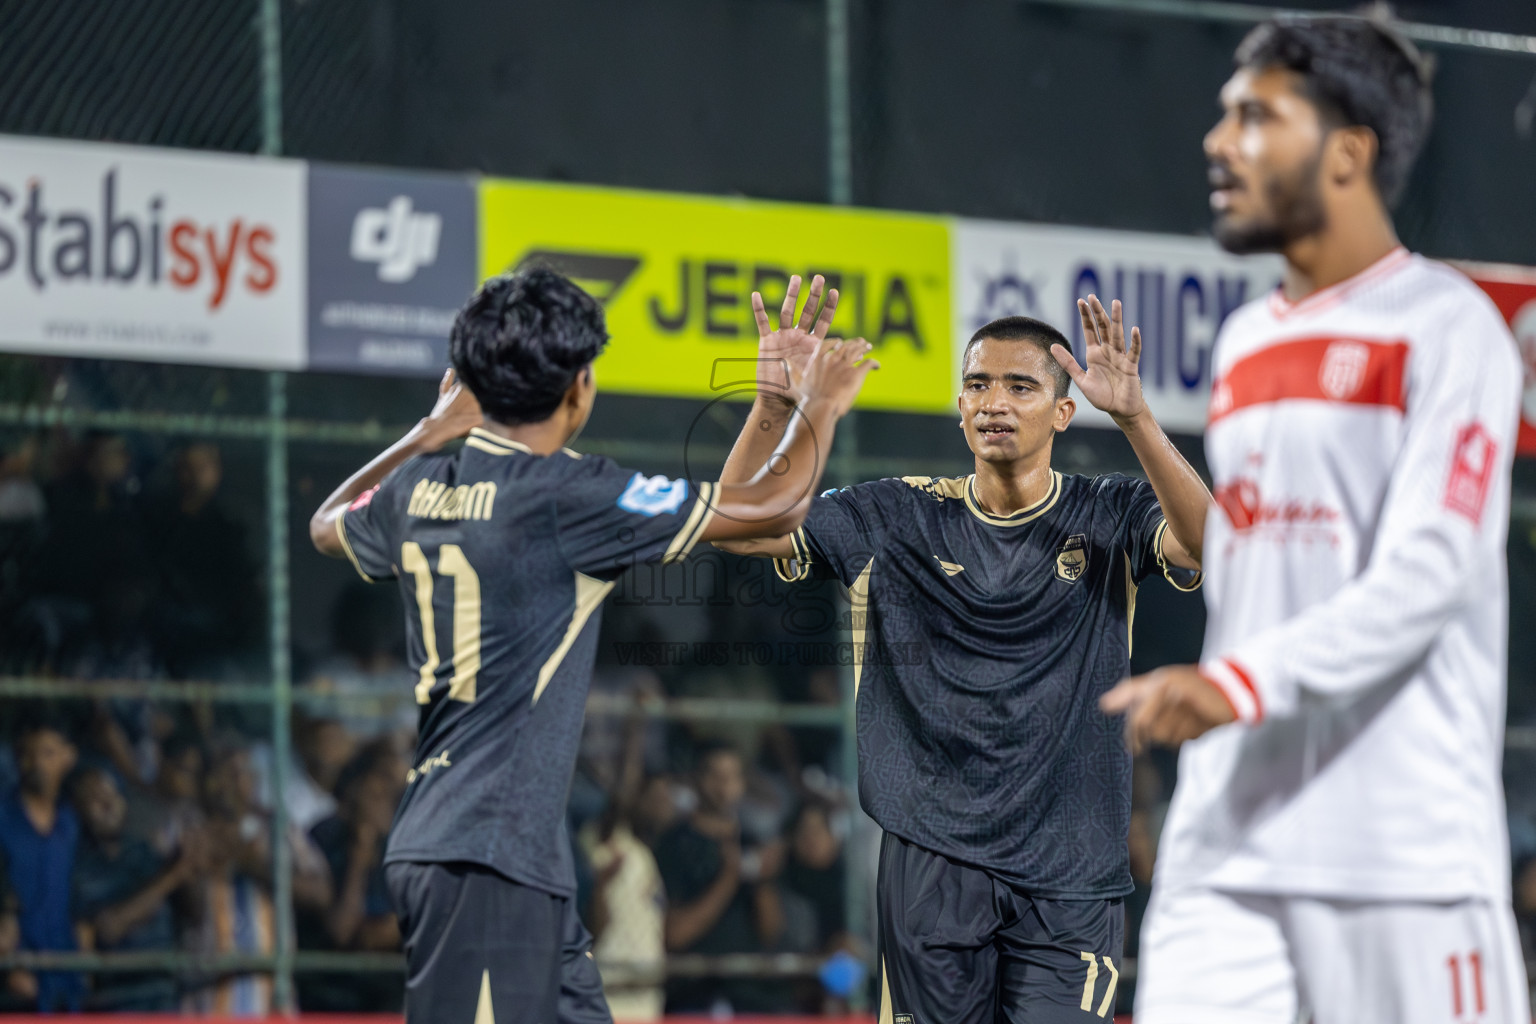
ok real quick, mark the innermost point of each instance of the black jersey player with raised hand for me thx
(503, 550)
(990, 612)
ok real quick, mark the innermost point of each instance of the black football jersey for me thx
(503, 558)
(981, 646)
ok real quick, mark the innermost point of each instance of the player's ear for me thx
(1066, 408)
(1351, 154)
(581, 389)
(579, 399)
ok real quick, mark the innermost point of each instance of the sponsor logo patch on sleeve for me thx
(1472, 465)
(364, 498)
(653, 496)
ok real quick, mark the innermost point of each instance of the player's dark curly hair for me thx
(1038, 333)
(1357, 70)
(522, 340)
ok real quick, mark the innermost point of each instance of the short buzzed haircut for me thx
(1038, 333)
(1356, 70)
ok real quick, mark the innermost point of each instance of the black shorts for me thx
(960, 946)
(472, 936)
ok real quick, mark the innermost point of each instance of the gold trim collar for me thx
(497, 439)
(1023, 515)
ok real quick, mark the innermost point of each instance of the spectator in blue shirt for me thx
(123, 895)
(18, 989)
(38, 832)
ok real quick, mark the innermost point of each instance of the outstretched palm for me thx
(1111, 381)
(782, 354)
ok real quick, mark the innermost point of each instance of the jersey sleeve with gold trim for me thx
(1142, 526)
(842, 531)
(367, 531)
(609, 518)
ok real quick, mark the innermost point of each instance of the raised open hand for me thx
(1111, 382)
(782, 354)
(836, 371)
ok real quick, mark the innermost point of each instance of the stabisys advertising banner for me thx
(129, 253)
(676, 274)
(1177, 290)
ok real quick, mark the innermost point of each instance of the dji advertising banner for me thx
(129, 253)
(1177, 290)
(391, 259)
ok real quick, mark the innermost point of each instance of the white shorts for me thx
(1210, 957)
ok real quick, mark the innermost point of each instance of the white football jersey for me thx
(1360, 443)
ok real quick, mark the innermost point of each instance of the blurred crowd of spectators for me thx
(130, 824)
(685, 843)
(742, 852)
(97, 860)
(102, 576)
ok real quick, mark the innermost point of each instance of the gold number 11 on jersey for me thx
(1093, 977)
(466, 619)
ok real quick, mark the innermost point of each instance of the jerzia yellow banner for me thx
(676, 275)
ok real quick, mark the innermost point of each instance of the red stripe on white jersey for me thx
(1347, 371)
(1247, 681)
(1236, 685)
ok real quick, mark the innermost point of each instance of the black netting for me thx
(157, 72)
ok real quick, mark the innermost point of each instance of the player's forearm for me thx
(761, 547)
(1184, 498)
(322, 525)
(758, 439)
(774, 502)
